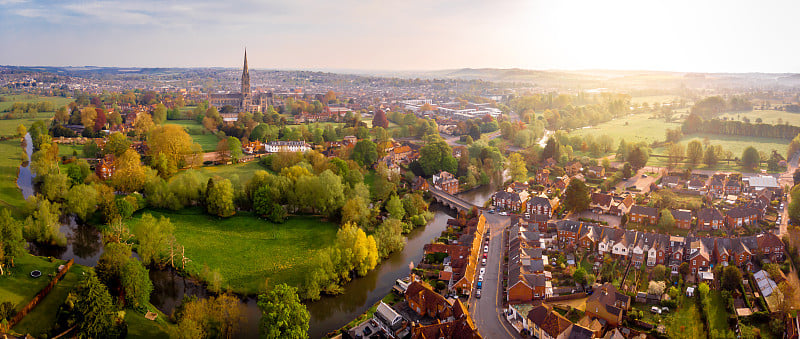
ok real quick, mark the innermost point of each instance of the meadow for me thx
(9, 100)
(633, 129)
(246, 250)
(10, 159)
(47, 310)
(19, 287)
(767, 116)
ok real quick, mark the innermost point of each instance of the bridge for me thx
(450, 200)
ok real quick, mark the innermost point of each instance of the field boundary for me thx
(39, 296)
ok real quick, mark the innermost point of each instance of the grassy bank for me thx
(206, 140)
(247, 250)
(47, 310)
(19, 287)
(10, 159)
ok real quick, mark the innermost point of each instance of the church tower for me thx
(245, 85)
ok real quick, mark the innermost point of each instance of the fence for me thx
(39, 296)
(566, 297)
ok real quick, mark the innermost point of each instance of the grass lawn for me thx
(47, 310)
(141, 327)
(767, 117)
(734, 144)
(717, 315)
(19, 288)
(247, 250)
(685, 321)
(10, 158)
(206, 140)
(633, 129)
(654, 228)
(9, 100)
(244, 171)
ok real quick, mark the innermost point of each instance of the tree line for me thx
(696, 124)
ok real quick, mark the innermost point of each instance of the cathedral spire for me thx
(245, 76)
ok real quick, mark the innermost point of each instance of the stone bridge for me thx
(450, 200)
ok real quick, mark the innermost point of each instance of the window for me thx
(694, 262)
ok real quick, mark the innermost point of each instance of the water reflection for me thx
(84, 244)
(26, 175)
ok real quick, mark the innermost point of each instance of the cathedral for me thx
(244, 101)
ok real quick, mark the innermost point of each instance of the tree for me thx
(638, 158)
(380, 119)
(684, 269)
(21, 130)
(116, 144)
(129, 174)
(160, 114)
(13, 244)
(659, 272)
(576, 196)
(219, 197)
(667, 221)
(62, 115)
(136, 284)
(109, 266)
(656, 287)
(389, 237)
(365, 152)
(579, 276)
(88, 115)
(78, 171)
(266, 204)
(627, 170)
(750, 158)
(551, 149)
(437, 156)
(42, 226)
(282, 313)
(92, 310)
(234, 149)
(395, 207)
(694, 152)
(173, 142)
(82, 201)
(517, 167)
(154, 235)
(731, 278)
(675, 152)
(710, 158)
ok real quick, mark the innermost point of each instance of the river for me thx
(25, 175)
(85, 245)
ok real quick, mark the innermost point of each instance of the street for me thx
(487, 311)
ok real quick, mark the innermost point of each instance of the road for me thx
(487, 312)
(786, 179)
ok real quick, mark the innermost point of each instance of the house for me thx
(742, 250)
(643, 214)
(717, 185)
(770, 246)
(671, 181)
(623, 247)
(683, 218)
(709, 219)
(539, 206)
(545, 323)
(286, 146)
(733, 187)
(445, 181)
(561, 183)
(607, 304)
(543, 177)
(722, 250)
(420, 184)
(597, 172)
(699, 254)
(539, 222)
(450, 320)
(573, 168)
(621, 205)
(508, 200)
(589, 237)
(696, 185)
(387, 318)
(423, 300)
(105, 168)
(601, 203)
(739, 216)
(568, 231)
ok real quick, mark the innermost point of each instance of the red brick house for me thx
(445, 181)
(739, 216)
(508, 200)
(105, 168)
(683, 218)
(709, 219)
(539, 205)
(770, 246)
(643, 214)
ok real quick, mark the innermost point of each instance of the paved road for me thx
(786, 178)
(487, 312)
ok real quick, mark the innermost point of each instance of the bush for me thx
(7, 310)
(672, 304)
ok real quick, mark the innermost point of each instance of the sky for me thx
(676, 35)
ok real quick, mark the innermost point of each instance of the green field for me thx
(9, 100)
(767, 117)
(632, 129)
(10, 159)
(206, 140)
(47, 310)
(735, 145)
(244, 171)
(246, 250)
(19, 287)
(141, 327)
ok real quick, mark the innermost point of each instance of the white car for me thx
(655, 310)
(483, 261)
(480, 278)
(503, 213)
(483, 270)
(485, 249)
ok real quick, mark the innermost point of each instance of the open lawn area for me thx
(717, 315)
(47, 310)
(685, 321)
(655, 228)
(9, 100)
(767, 116)
(244, 171)
(206, 140)
(247, 250)
(141, 327)
(633, 128)
(734, 144)
(10, 158)
(19, 287)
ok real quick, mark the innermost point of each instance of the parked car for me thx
(484, 255)
(483, 261)
(479, 284)
(490, 211)
(644, 175)
(485, 249)
(655, 310)
(478, 294)
(503, 213)
(482, 271)
(480, 278)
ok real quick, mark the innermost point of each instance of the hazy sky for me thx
(696, 35)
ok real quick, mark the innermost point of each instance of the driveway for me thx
(487, 312)
(612, 220)
(639, 180)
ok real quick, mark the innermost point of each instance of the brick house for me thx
(545, 323)
(709, 219)
(508, 200)
(573, 168)
(568, 231)
(770, 246)
(539, 205)
(105, 168)
(739, 216)
(644, 214)
(596, 172)
(683, 218)
(608, 304)
(445, 181)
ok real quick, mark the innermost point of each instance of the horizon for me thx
(417, 36)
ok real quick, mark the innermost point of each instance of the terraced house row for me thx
(651, 249)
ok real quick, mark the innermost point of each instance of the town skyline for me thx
(412, 36)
